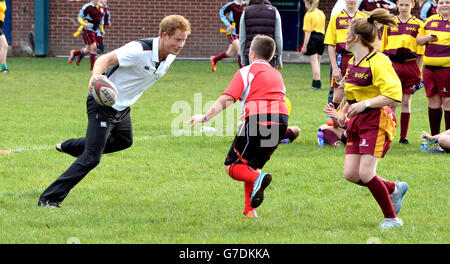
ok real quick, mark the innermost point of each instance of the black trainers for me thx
(48, 204)
(5, 71)
(403, 141)
(58, 147)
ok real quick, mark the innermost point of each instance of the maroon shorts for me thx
(409, 74)
(370, 132)
(436, 81)
(232, 37)
(344, 64)
(89, 37)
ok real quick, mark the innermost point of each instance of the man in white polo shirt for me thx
(133, 68)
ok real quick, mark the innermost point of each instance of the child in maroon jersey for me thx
(93, 13)
(230, 14)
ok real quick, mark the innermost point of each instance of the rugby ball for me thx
(104, 92)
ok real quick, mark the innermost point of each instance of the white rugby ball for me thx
(104, 92)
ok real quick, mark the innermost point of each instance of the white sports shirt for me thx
(139, 68)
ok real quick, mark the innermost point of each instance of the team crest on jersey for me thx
(434, 24)
(343, 23)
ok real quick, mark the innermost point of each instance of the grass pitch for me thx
(173, 189)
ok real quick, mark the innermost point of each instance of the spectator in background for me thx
(3, 42)
(314, 28)
(427, 9)
(369, 5)
(399, 43)
(436, 73)
(335, 39)
(261, 18)
(230, 14)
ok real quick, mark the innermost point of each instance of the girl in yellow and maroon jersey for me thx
(435, 34)
(399, 43)
(370, 84)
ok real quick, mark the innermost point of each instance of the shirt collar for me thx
(155, 48)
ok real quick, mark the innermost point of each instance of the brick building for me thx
(131, 19)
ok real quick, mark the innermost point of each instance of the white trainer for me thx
(389, 223)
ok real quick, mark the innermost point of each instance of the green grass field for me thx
(168, 189)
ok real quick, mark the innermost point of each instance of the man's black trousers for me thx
(108, 131)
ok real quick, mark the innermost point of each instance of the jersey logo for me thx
(147, 68)
(363, 143)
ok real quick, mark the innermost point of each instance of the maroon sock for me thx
(289, 135)
(220, 56)
(92, 59)
(434, 117)
(242, 172)
(404, 124)
(329, 136)
(239, 61)
(447, 119)
(389, 185)
(381, 195)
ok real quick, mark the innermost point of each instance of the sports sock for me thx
(381, 195)
(434, 117)
(329, 136)
(389, 185)
(242, 172)
(4, 66)
(289, 135)
(220, 56)
(447, 119)
(404, 124)
(239, 61)
(248, 188)
(92, 59)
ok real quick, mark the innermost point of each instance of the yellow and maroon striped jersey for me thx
(337, 30)
(372, 77)
(437, 53)
(399, 43)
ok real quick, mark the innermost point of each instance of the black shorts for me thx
(257, 139)
(315, 44)
(1, 27)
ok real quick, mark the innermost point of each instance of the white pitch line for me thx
(143, 138)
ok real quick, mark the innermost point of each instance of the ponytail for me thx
(366, 28)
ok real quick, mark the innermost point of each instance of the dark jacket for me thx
(259, 20)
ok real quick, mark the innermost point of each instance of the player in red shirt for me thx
(261, 89)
